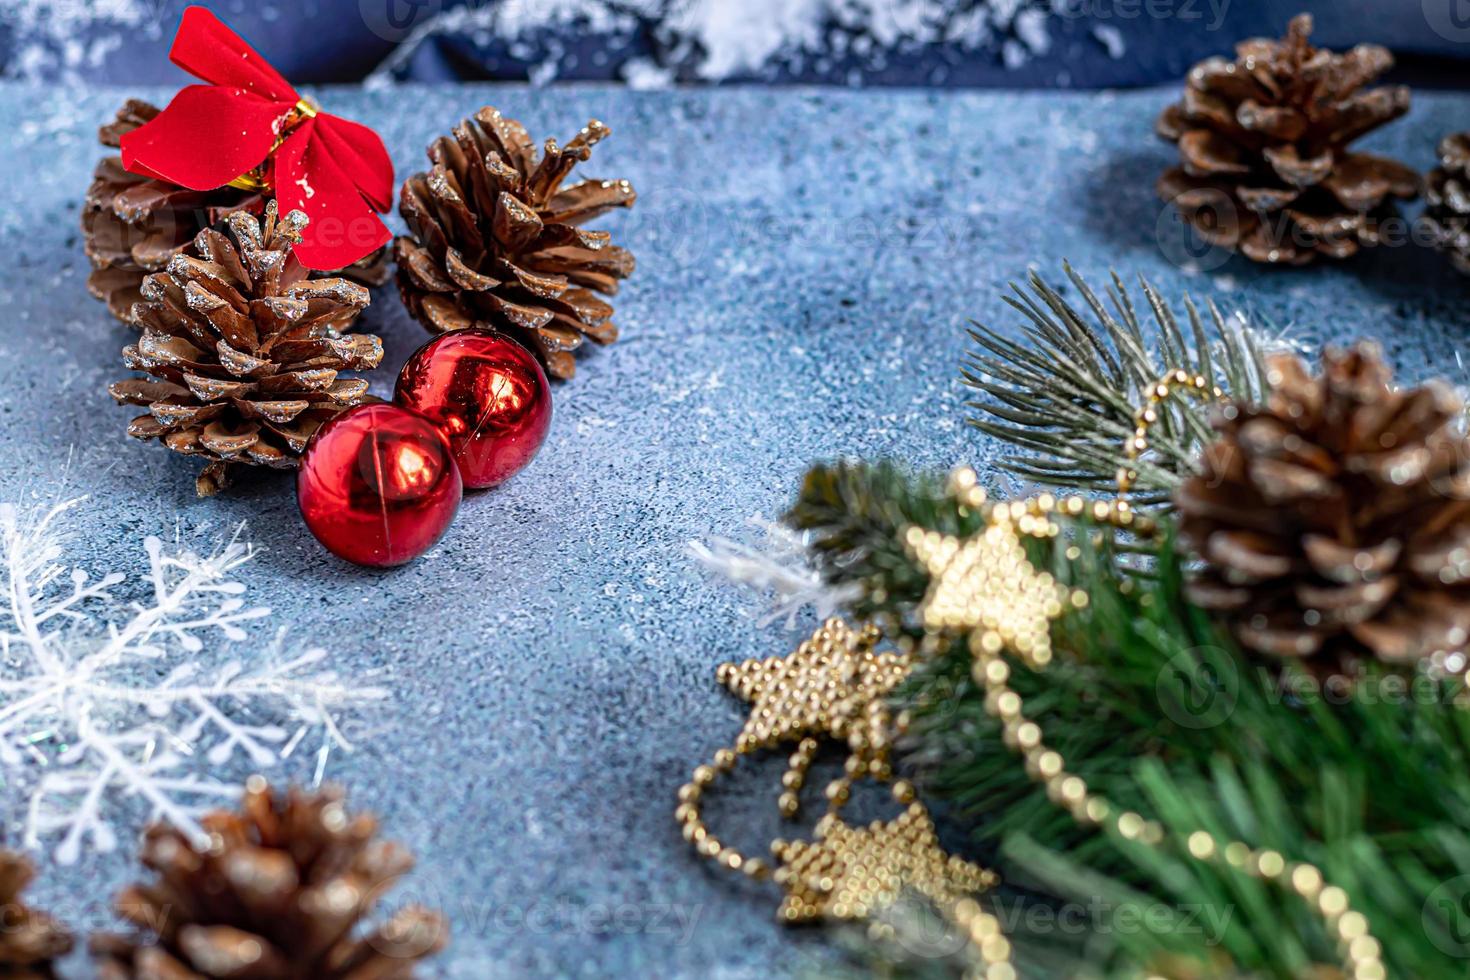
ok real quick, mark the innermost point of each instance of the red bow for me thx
(335, 170)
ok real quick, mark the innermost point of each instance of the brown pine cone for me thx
(245, 349)
(29, 940)
(133, 225)
(1333, 522)
(1448, 214)
(282, 892)
(494, 241)
(1263, 149)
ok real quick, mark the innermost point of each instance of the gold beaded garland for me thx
(850, 872)
(833, 686)
(1172, 383)
(822, 688)
(969, 595)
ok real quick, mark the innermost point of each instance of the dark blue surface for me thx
(126, 41)
(807, 262)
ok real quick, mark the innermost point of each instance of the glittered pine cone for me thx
(284, 890)
(29, 940)
(1448, 191)
(1263, 146)
(1333, 522)
(245, 350)
(132, 225)
(494, 240)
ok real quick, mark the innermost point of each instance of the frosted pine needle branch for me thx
(107, 703)
(1065, 390)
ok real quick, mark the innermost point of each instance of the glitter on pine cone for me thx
(283, 890)
(30, 940)
(133, 225)
(1333, 522)
(1263, 139)
(1448, 192)
(245, 349)
(494, 239)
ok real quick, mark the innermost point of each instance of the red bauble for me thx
(489, 397)
(378, 485)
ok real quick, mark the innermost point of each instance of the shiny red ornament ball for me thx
(378, 485)
(487, 394)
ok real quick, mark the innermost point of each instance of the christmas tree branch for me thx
(1161, 713)
(1065, 392)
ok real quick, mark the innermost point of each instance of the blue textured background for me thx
(806, 264)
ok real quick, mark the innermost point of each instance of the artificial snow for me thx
(1111, 39)
(716, 40)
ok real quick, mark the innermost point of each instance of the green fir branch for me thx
(1161, 713)
(1064, 393)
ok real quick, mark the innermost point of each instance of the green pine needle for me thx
(1162, 714)
(1064, 393)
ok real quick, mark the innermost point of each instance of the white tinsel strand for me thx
(781, 566)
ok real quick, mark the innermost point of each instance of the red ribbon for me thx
(335, 170)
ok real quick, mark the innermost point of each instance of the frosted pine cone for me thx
(282, 892)
(245, 350)
(1263, 146)
(1334, 520)
(494, 240)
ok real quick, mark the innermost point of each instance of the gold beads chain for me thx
(1177, 381)
(794, 778)
(1360, 951)
(1036, 516)
(991, 598)
(985, 935)
(835, 685)
(696, 831)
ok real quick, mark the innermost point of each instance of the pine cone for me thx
(30, 940)
(280, 893)
(1333, 521)
(244, 349)
(1448, 214)
(133, 225)
(493, 240)
(1263, 145)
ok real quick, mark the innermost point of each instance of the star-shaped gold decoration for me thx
(986, 586)
(851, 872)
(822, 688)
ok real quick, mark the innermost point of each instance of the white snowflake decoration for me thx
(103, 700)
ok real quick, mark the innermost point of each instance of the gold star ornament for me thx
(985, 585)
(849, 872)
(835, 685)
(822, 688)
